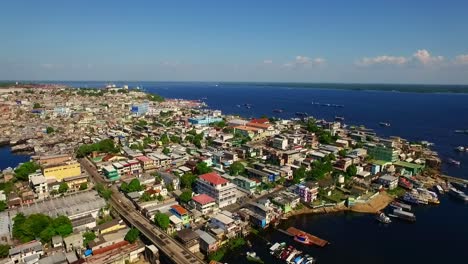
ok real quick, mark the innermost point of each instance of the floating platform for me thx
(315, 240)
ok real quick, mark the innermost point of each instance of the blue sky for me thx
(316, 41)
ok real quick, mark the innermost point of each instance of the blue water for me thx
(8, 159)
(441, 232)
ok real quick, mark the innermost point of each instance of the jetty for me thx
(454, 179)
(315, 240)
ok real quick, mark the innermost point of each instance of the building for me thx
(189, 239)
(146, 163)
(220, 189)
(204, 203)
(39, 185)
(208, 243)
(280, 143)
(140, 109)
(5, 225)
(110, 172)
(73, 242)
(379, 152)
(181, 213)
(245, 184)
(61, 171)
(111, 226)
(26, 253)
(204, 120)
(388, 181)
(170, 179)
(307, 192)
(52, 159)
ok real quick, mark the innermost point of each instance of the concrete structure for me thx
(204, 120)
(217, 187)
(111, 173)
(189, 239)
(181, 213)
(388, 154)
(26, 253)
(245, 184)
(73, 242)
(204, 203)
(38, 184)
(208, 243)
(140, 109)
(61, 171)
(388, 181)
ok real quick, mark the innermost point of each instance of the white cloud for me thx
(425, 58)
(461, 59)
(384, 59)
(301, 61)
(267, 61)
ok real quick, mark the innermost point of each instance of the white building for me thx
(39, 185)
(223, 191)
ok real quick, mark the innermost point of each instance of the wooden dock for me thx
(454, 179)
(315, 240)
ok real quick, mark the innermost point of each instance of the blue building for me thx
(204, 120)
(140, 110)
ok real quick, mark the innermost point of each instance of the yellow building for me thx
(61, 171)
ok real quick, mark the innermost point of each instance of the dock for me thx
(454, 179)
(315, 240)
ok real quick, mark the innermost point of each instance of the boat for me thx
(301, 114)
(410, 198)
(461, 149)
(459, 185)
(252, 256)
(461, 131)
(404, 206)
(383, 218)
(399, 213)
(439, 189)
(313, 239)
(339, 118)
(278, 110)
(309, 259)
(459, 194)
(238, 105)
(404, 183)
(385, 124)
(302, 238)
(454, 162)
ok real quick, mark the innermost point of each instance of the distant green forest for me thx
(410, 88)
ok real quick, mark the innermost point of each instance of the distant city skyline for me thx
(254, 41)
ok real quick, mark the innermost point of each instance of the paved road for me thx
(165, 243)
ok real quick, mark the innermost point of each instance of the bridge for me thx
(454, 179)
(167, 245)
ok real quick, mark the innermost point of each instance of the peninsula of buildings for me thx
(114, 164)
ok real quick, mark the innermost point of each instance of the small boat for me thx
(439, 189)
(252, 256)
(279, 110)
(302, 238)
(405, 183)
(384, 124)
(383, 218)
(301, 114)
(460, 149)
(404, 206)
(454, 162)
(309, 259)
(459, 194)
(238, 105)
(339, 118)
(399, 213)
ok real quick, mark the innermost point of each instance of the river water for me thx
(440, 233)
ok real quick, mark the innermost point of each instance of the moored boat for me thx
(454, 162)
(399, 213)
(383, 218)
(384, 124)
(459, 194)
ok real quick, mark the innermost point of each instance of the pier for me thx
(315, 240)
(454, 179)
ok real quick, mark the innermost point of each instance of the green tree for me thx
(88, 237)
(236, 168)
(3, 206)
(36, 106)
(83, 186)
(186, 196)
(202, 168)
(165, 139)
(132, 235)
(23, 171)
(62, 225)
(162, 220)
(187, 180)
(63, 188)
(299, 174)
(103, 191)
(342, 153)
(50, 130)
(166, 151)
(106, 146)
(351, 171)
(4, 250)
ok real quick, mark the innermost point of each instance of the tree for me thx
(62, 225)
(160, 197)
(50, 130)
(40, 226)
(351, 171)
(236, 168)
(23, 171)
(162, 220)
(187, 180)
(83, 186)
(63, 188)
(4, 250)
(132, 235)
(36, 106)
(3, 206)
(88, 237)
(165, 139)
(106, 146)
(103, 191)
(342, 153)
(186, 196)
(203, 168)
(166, 151)
(299, 174)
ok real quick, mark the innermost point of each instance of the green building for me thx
(245, 183)
(409, 168)
(383, 153)
(111, 173)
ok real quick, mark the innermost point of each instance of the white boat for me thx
(383, 218)
(459, 194)
(461, 149)
(439, 189)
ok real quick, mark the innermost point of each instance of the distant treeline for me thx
(412, 88)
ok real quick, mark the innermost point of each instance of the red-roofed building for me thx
(213, 185)
(146, 163)
(181, 213)
(204, 203)
(260, 120)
